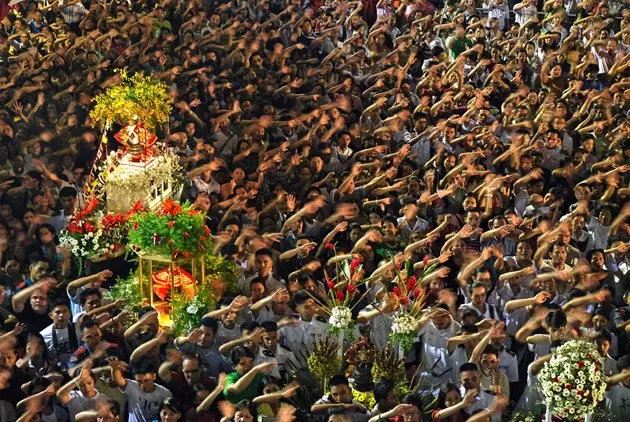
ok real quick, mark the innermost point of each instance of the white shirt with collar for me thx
(301, 337)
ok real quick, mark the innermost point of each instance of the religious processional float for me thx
(132, 206)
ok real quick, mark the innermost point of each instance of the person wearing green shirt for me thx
(461, 43)
(245, 382)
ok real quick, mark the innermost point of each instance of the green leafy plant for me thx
(175, 230)
(218, 268)
(127, 288)
(186, 313)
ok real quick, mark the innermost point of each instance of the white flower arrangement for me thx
(340, 317)
(573, 382)
(403, 332)
(404, 324)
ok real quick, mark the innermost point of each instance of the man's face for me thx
(478, 296)
(206, 337)
(7, 358)
(146, 382)
(60, 316)
(472, 219)
(264, 264)
(307, 309)
(484, 278)
(469, 379)
(270, 340)
(441, 322)
(92, 302)
(559, 254)
(39, 301)
(202, 203)
(341, 394)
(191, 370)
(38, 271)
(91, 336)
(68, 202)
(391, 400)
(389, 229)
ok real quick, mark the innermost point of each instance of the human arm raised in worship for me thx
(226, 348)
(20, 298)
(63, 394)
(74, 285)
(146, 347)
(244, 381)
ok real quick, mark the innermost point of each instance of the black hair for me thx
(145, 310)
(491, 349)
(301, 297)
(556, 319)
(249, 326)
(338, 380)
(142, 366)
(210, 323)
(59, 301)
(246, 404)
(589, 254)
(382, 389)
(89, 292)
(264, 252)
(241, 352)
(68, 192)
(88, 323)
(170, 404)
(269, 326)
(468, 366)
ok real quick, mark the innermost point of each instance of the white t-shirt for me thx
(79, 403)
(144, 407)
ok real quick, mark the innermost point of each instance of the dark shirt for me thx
(36, 322)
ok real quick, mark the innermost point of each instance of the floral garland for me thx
(186, 313)
(572, 382)
(135, 98)
(175, 230)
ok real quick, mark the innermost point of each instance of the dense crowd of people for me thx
(489, 138)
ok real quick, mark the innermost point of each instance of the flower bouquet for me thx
(93, 235)
(405, 320)
(573, 382)
(341, 298)
(175, 230)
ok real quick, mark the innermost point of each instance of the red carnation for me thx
(340, 295)
(330, 284)
(555, 380)
(580, 364)
(580, 392)
(411, 283)
(351, 288)
(330, 246)
(89, 226)
(569, 387)
(171, 223)
(135, 225)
